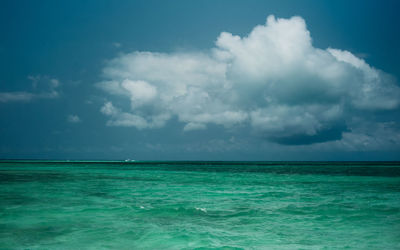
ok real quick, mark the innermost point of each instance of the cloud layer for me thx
(50, 86)
(273, 81)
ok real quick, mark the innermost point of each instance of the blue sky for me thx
(200, 80)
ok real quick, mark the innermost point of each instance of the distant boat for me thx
(129, 160)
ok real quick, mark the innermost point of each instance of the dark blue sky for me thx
(156, 80)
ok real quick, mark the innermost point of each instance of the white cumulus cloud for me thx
(273, 80)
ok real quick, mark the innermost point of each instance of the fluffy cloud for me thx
(125, 119)
(49, 92)
(273, 80)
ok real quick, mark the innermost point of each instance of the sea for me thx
(199, 205)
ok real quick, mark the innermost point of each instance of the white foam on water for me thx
(201, 209)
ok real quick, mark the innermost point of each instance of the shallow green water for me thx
(199, 205)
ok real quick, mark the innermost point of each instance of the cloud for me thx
(273, 81)
(124, 119)
(194, 126)
(117, 45)
(16, 96)
(48, 90)
(73, 119)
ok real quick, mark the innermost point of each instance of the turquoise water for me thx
(54, 205)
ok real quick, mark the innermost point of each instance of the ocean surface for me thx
(203, 205)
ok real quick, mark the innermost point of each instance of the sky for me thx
(200, 80)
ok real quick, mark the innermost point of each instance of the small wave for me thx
(201, 209)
